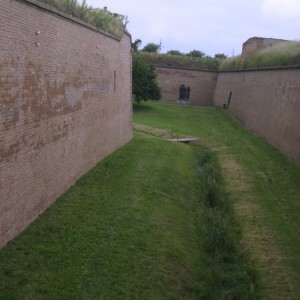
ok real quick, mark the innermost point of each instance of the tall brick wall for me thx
(202, 84)
(65, 103)
(267, 102)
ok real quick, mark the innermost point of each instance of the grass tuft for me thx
(283, 54)
(112, 23)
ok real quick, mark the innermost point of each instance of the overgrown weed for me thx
(112, 23)
(283, 54)
(228, 267)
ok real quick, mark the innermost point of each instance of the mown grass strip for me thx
(228, 267)
(134, 227)
(138, 227)
(118, 233)
(264, 185)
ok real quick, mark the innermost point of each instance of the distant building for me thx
(255, 44)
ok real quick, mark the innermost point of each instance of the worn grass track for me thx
(263, 183)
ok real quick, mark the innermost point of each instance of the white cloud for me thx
(281, 8)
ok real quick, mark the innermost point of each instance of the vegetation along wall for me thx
(202, 84)
(65, 103)
(267, 102)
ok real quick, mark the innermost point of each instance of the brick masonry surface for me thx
(267, 102)
(201, 83)
(65, 103)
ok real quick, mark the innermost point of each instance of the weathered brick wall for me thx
(202, 84)
(65, 103)
(267, 102)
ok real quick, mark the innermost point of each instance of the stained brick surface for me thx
(65, 103)
(267, 102)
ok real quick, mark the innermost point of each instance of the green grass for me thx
(283, 54)
(157, 220)
(134, 227)
(275, 177)
(112, 23)
(181, 61)
(272, 183)
(229, 272)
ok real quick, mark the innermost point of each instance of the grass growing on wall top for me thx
(283, 54)
(101, 18)
(205, 63)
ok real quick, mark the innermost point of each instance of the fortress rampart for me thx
(264, 100)
(202, 84)
(65, 103)
(267, 101)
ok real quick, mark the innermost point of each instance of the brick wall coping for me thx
(64, 15)
(183, 68)
(275, 68)
(278, 68)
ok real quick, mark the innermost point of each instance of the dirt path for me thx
(153, 131)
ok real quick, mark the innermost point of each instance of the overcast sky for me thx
(211, 26)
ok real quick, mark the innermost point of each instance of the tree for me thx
(220, 56)
(152, 48)
(196, 53)
(144, 84)
(135, 45)
(174, 52)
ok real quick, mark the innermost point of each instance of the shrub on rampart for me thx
(180, 61)
(112, 23)
(283, 54)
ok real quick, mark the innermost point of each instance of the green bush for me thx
(144, 84)
(101, 18)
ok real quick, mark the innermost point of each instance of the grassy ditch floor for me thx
(151, 221)
(263, 184)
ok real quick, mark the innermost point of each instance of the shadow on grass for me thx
(142, 107)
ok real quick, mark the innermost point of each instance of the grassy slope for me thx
(118, 233)
(264, 184)
(132, 228)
